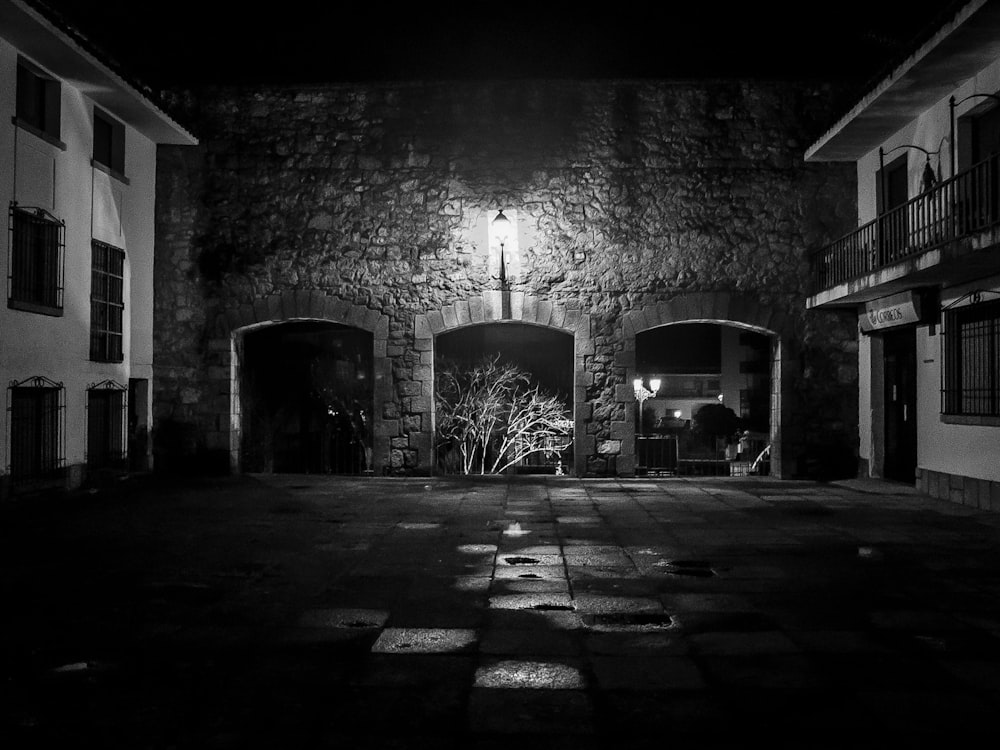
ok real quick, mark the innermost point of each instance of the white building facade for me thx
(922, 270)
(77, 176)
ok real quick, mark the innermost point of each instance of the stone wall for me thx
(628, 196)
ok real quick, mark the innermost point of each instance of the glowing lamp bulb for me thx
(501, 228)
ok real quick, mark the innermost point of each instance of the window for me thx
(35, 271)
(985, 134)
(890, 194)
(978, 135)
(107, 304)
(109, 142)
(35, 408)
(38, 103)
(106, 425)
(972, 361)
(891, 185)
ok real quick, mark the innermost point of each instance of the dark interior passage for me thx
(682, 348)
(306, 396)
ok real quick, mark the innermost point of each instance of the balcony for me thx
(945, 235)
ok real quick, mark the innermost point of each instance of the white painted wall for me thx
(967, 450)
(93, 205)
(865, 397)
(139, 223)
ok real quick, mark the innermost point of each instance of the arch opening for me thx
(715, 410)
(306, 398)
(513, 382)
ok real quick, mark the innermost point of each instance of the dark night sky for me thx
(187, 43)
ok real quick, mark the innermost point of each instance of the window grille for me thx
(107, 304)
(106, 425)
(972, 361)
(35, 411)
(35, 275)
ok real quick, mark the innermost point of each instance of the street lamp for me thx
(928, 179)
(500, 227)
(642, 393)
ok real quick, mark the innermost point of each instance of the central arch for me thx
(543, 357)
(494, 306)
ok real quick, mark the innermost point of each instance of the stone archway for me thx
(494, 306)
(706, 307)
(287, 306)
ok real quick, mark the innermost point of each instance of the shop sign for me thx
(891, 312)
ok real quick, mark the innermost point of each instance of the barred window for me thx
(35, 408)
(106, 429)
(35, 272)
(972, 361)
(107, 304)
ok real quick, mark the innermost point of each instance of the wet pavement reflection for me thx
(305, 611)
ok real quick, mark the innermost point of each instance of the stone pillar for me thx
(421, 410)
(624, 430)
(584, 444)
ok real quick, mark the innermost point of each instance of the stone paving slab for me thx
(291, 611)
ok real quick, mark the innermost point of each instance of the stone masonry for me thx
(638, 204)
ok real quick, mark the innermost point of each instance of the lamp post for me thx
(501, 232)
(929, 177)
(642, 393)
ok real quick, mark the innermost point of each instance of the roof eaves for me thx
(56, 25)
(944, 25)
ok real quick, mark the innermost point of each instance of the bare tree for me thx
(493, 417)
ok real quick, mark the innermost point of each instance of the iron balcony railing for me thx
(962, 205)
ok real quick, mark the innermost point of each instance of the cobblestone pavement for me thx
(301, 611)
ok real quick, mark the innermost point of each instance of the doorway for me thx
(306, 399)
(900, 399)
(706, 400)
(138, 424)
(504, 399)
